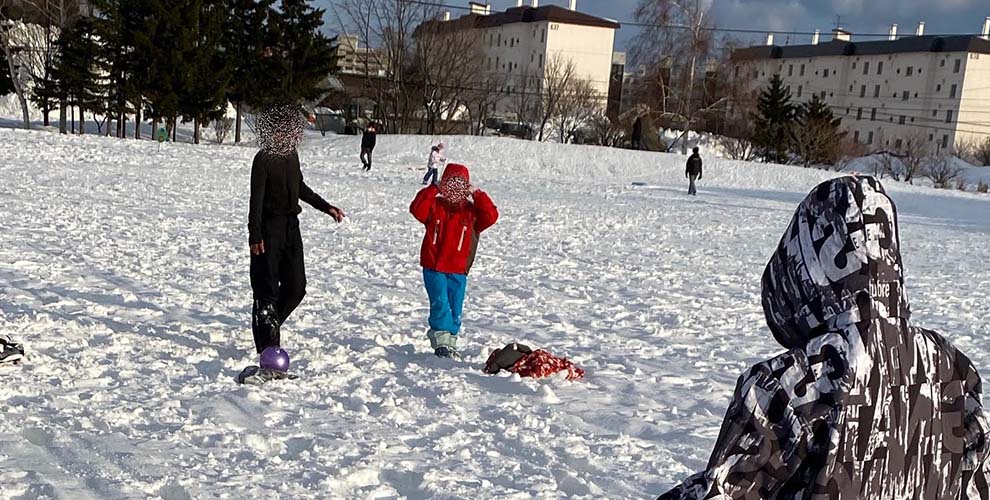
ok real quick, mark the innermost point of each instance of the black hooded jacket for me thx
(863, 405)
(368, 139)
(276, 188)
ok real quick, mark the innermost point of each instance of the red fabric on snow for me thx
(452, 230)
(540, 363)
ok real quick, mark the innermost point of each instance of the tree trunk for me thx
(18, 88)
(120, 125)
(195, 130)
(82, 121)
(237, 124)
(154, 128)
(137, 121)
(45, 109)
(175, 123)
(61, 117)
(72, 114)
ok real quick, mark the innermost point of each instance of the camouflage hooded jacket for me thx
(863, 405)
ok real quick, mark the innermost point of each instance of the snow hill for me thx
(124, 270)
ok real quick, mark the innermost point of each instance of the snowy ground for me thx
(125, 272)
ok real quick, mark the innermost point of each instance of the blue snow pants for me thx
(446, 293)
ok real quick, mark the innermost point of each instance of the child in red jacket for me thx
(453, 222)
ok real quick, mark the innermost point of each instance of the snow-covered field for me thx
(124, 270)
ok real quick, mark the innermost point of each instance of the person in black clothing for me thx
(637, 133)
(693, 171)
(278, 277)
(368, 140)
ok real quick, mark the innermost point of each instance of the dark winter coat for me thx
(369, 139)
(276, 188)
(694, 165)
(863, 405)
(452, 231)
(637, 130)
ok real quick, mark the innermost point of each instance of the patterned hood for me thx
(863, 405)
(838, 263)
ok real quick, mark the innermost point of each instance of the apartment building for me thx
(352, 59)
(520, 41)
(935, 88)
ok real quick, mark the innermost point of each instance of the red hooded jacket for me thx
(451, 238)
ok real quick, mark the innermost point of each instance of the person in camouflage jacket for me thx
(863, 405)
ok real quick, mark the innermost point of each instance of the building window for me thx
(823, 95)
(901, 120)
(873, 115)
(856, 136)
(541, 60)
(825, 73)
(945, 141)
(876, 91)
(938, 88)
(869, 138)
(941, 63)
(905, 95)
(802, 70)
(879, 68)
(952, 90)
(859, 114)
(948, 116)
(910, 70)
(512, 42)
(854, 64)
(957, 66)
(866, 68)
(934, 112)
(543, 35)
(898, 143)
(790, 70)
(862, 91)
(800, 90)
(499, 40)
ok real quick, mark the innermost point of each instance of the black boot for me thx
(265, 324)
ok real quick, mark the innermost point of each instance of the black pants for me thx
(366, 158)
(278, 279)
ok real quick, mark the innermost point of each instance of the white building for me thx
(519, 42)
(931, 87)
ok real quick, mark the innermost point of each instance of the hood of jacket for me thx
(838, 263)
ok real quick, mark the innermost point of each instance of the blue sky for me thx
(858, 16)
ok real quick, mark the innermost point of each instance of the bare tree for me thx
(449, 71)
(981, 152)
(849, 151)
(982, 187)
(14, 54)
(942, 170)
(914, 155)
(222, 127)
(558, 76)
(578, 104)
(675, 41)
(524, 99)
(482, 100)
(389, 25)
(607, 132)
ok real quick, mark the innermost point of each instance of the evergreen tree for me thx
(159, 60)
(774, 116)
(296, 59)
(814, 134)
(245, 36)
(116, 23)
(6, 84)
(76, 69)
(202, 95)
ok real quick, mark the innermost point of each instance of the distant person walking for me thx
(433, 165)
(162, 136)
(637, 133)
(693, 171)
(368, 140)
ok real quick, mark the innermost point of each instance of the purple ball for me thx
(275, 358)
